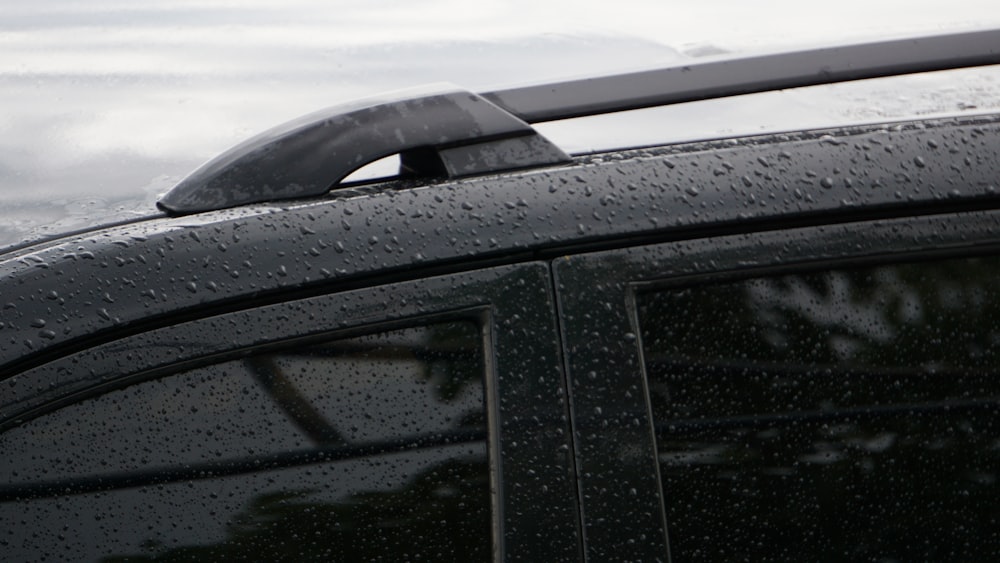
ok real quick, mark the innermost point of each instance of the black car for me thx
(770, 347)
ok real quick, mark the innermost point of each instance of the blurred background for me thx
(107, 104)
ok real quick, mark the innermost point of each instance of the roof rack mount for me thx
(452, 132)
(436, 130)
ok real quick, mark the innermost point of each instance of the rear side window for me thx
(364, 448)
(849, 414)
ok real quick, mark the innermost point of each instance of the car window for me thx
(850, 412)
(808, 393)
(371, 447)
(399, 405)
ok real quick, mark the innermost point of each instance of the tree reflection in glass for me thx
(840, 415)
(363, 448)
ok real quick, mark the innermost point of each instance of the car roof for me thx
(78, 290)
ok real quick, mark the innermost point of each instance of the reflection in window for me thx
(840, 415)
(367, 448)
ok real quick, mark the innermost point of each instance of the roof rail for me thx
(747, 75)
(453, 132)
(436, 130)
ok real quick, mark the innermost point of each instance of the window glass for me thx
(366, 448)
(850, 414)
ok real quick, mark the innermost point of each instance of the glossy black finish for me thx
(745, 75)
(530, 449)
(542, 266)
(615, 436)
(103, 285)
(141, 300)
(437, 130)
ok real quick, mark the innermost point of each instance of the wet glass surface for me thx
(842, 415)
(366, 448)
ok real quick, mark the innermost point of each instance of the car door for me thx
(424, 419)
(814, 393)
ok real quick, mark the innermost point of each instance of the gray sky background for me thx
(108, 103)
